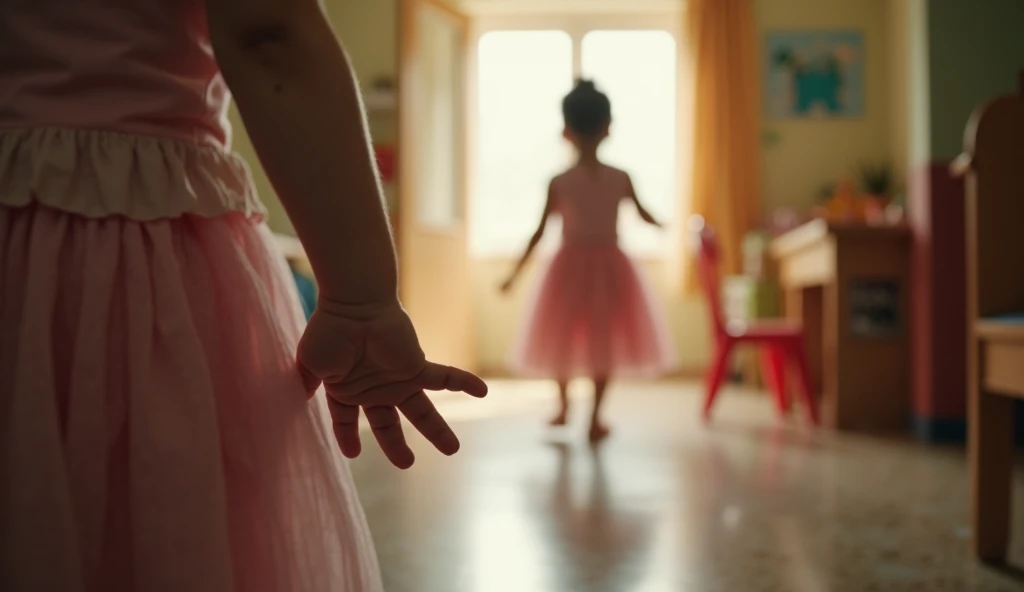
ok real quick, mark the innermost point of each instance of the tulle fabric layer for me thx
(99, 173)
(593, 316)
(154, 434)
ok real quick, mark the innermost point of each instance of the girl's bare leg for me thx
(563, 409)
(598, 430)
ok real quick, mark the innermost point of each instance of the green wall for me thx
(976, 51)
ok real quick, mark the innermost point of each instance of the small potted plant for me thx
(877, 180)
(877, 183)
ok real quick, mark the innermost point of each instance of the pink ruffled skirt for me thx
(593, 316)
(154, 434)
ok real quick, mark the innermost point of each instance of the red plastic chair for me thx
(781, 342)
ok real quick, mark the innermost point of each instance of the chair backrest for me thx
(706, 248)
(994, 142)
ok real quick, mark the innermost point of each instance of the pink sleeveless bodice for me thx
(115, 107)
(588, 201)
(135, 66)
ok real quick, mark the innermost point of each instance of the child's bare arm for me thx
(534, 240)
(298, 97)
(644, 214)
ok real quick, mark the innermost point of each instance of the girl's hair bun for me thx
(582, 84)
(587, 111)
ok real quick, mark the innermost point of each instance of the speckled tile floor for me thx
(748, 503)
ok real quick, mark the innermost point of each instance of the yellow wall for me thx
(899, 86)
(801, 156)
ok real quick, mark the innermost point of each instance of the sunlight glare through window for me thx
(522, 76)
(637, 69)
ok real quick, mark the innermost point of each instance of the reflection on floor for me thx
(666, 504)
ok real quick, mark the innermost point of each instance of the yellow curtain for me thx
(726, 156)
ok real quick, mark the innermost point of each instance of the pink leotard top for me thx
(116, 107)
(588, 201)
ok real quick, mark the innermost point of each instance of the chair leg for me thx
(779, 361)
(808, 398)
(990, 461)
(773, 364)
(716, 374)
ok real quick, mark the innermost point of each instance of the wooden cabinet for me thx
(848, 285)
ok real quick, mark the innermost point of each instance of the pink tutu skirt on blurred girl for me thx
(594, 316)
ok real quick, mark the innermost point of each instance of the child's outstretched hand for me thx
(369, 357)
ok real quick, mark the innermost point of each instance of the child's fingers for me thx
(387, 428)
(423, 416)
(436, 377)
(345, 419)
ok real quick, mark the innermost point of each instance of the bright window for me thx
(637, 69)
(522, 78)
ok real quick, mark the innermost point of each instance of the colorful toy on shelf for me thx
(844, 205)
(870, 204)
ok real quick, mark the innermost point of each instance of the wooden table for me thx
(848, 284)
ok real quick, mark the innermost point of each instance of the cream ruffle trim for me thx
(100, 173)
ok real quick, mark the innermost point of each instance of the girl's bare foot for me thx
(558, 420)
(599, 431)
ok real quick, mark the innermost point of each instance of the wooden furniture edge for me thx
(996, 330)
(814, 231)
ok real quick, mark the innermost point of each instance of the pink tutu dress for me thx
(592, 315)
(154, 432)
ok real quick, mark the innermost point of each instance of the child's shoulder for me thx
(616, 172)
(576, 171)
(562, 176)
(581, 180)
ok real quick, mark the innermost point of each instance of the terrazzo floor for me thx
(747, 503)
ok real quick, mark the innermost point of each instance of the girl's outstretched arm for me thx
(301, 106)
(300, 103)
(644, 214)
(549, 207)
